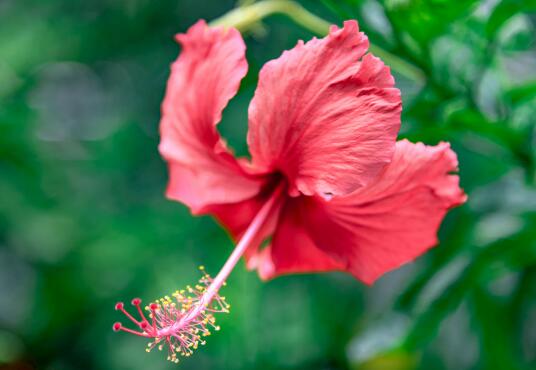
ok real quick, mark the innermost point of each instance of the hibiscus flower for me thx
(327, 185)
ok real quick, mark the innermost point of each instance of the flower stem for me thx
(245, 17)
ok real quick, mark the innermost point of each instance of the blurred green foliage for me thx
(83, 219)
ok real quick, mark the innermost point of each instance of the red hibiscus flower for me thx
(327, 183)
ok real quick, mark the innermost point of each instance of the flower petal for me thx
(292, 250)
(204, 78)
(324, 118)
(394, 220)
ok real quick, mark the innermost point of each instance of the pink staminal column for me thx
(183, 321)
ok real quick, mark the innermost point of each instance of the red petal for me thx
(204, 78)
(324, 118)
(292, 249)
(394, 220)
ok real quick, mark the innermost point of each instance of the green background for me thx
(84, 222)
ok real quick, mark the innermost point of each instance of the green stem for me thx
(245, 17)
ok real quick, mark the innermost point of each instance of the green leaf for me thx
(488, 263)
(501, 346)
(424, 20)
(504, 11)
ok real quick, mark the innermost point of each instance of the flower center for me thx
(182, 322)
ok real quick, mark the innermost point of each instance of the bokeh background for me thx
(84, 222)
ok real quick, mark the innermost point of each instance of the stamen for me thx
(177, 322)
